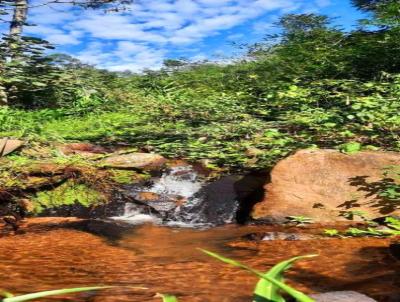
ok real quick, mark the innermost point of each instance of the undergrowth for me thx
(225, 129)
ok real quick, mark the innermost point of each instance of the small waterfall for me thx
(181, 181)
(182, 197)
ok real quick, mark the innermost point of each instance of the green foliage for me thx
(312, 85)
(299, 220)
(351, 215)
(393, 223)
(276, 271)
(265, 290)
(11, 298)
(167, 298)
(69, 193)
(391, 228)
(331, 232)
(126, 176)
(351, 147)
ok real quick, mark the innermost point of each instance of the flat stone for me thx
(9, 145)
(86, 150)
(342, 296)
(288, 236)
(144, 161)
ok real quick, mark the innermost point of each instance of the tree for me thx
(386, 12)
(368, 5)
(308, 47)
(21, 54)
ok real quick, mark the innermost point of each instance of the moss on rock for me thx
(69, 193)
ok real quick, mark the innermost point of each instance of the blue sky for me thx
(150, 31)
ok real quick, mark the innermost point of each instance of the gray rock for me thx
(342, 296)
(288, 236)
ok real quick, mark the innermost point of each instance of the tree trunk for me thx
(19, 19)
(17, 23)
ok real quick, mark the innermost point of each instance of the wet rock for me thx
(83, 149)
(324, 184)
(394, 249)
(341, 296)
(162, 204)
(288, 236)
(143, 161)
(183, 195)
(26, 205)
(147, 196)
(225, 200)
(11, 221)
(272, 236)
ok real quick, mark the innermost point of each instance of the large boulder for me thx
(326, 184)
(145, 161)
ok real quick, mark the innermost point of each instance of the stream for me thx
(65, 252)
(154, 243)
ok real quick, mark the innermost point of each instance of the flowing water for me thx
(57, 253)
(138, 249)
(182, 197)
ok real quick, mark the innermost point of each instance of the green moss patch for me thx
(69, 193)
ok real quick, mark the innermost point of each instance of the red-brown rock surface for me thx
(322, 184)
(82, 149)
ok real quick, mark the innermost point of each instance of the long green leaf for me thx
(33, 296)
(167, 298)
(290, 290)
(6, 294)
(265, 290)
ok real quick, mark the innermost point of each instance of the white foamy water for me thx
(181, 180)
(133, 215)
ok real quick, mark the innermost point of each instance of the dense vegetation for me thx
(313, 85)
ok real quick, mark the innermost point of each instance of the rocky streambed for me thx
(141, 218)
(50, 253)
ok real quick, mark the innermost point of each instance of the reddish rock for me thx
(26, 204)
(322, 184)
(82, 149)
(148, 197)
(48, 169)
(143, 161)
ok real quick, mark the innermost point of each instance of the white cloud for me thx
(262, 27)
(141, 36)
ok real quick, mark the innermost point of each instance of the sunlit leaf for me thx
(291, 291)
(42, 294)
(167, 298)
(267, 291)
